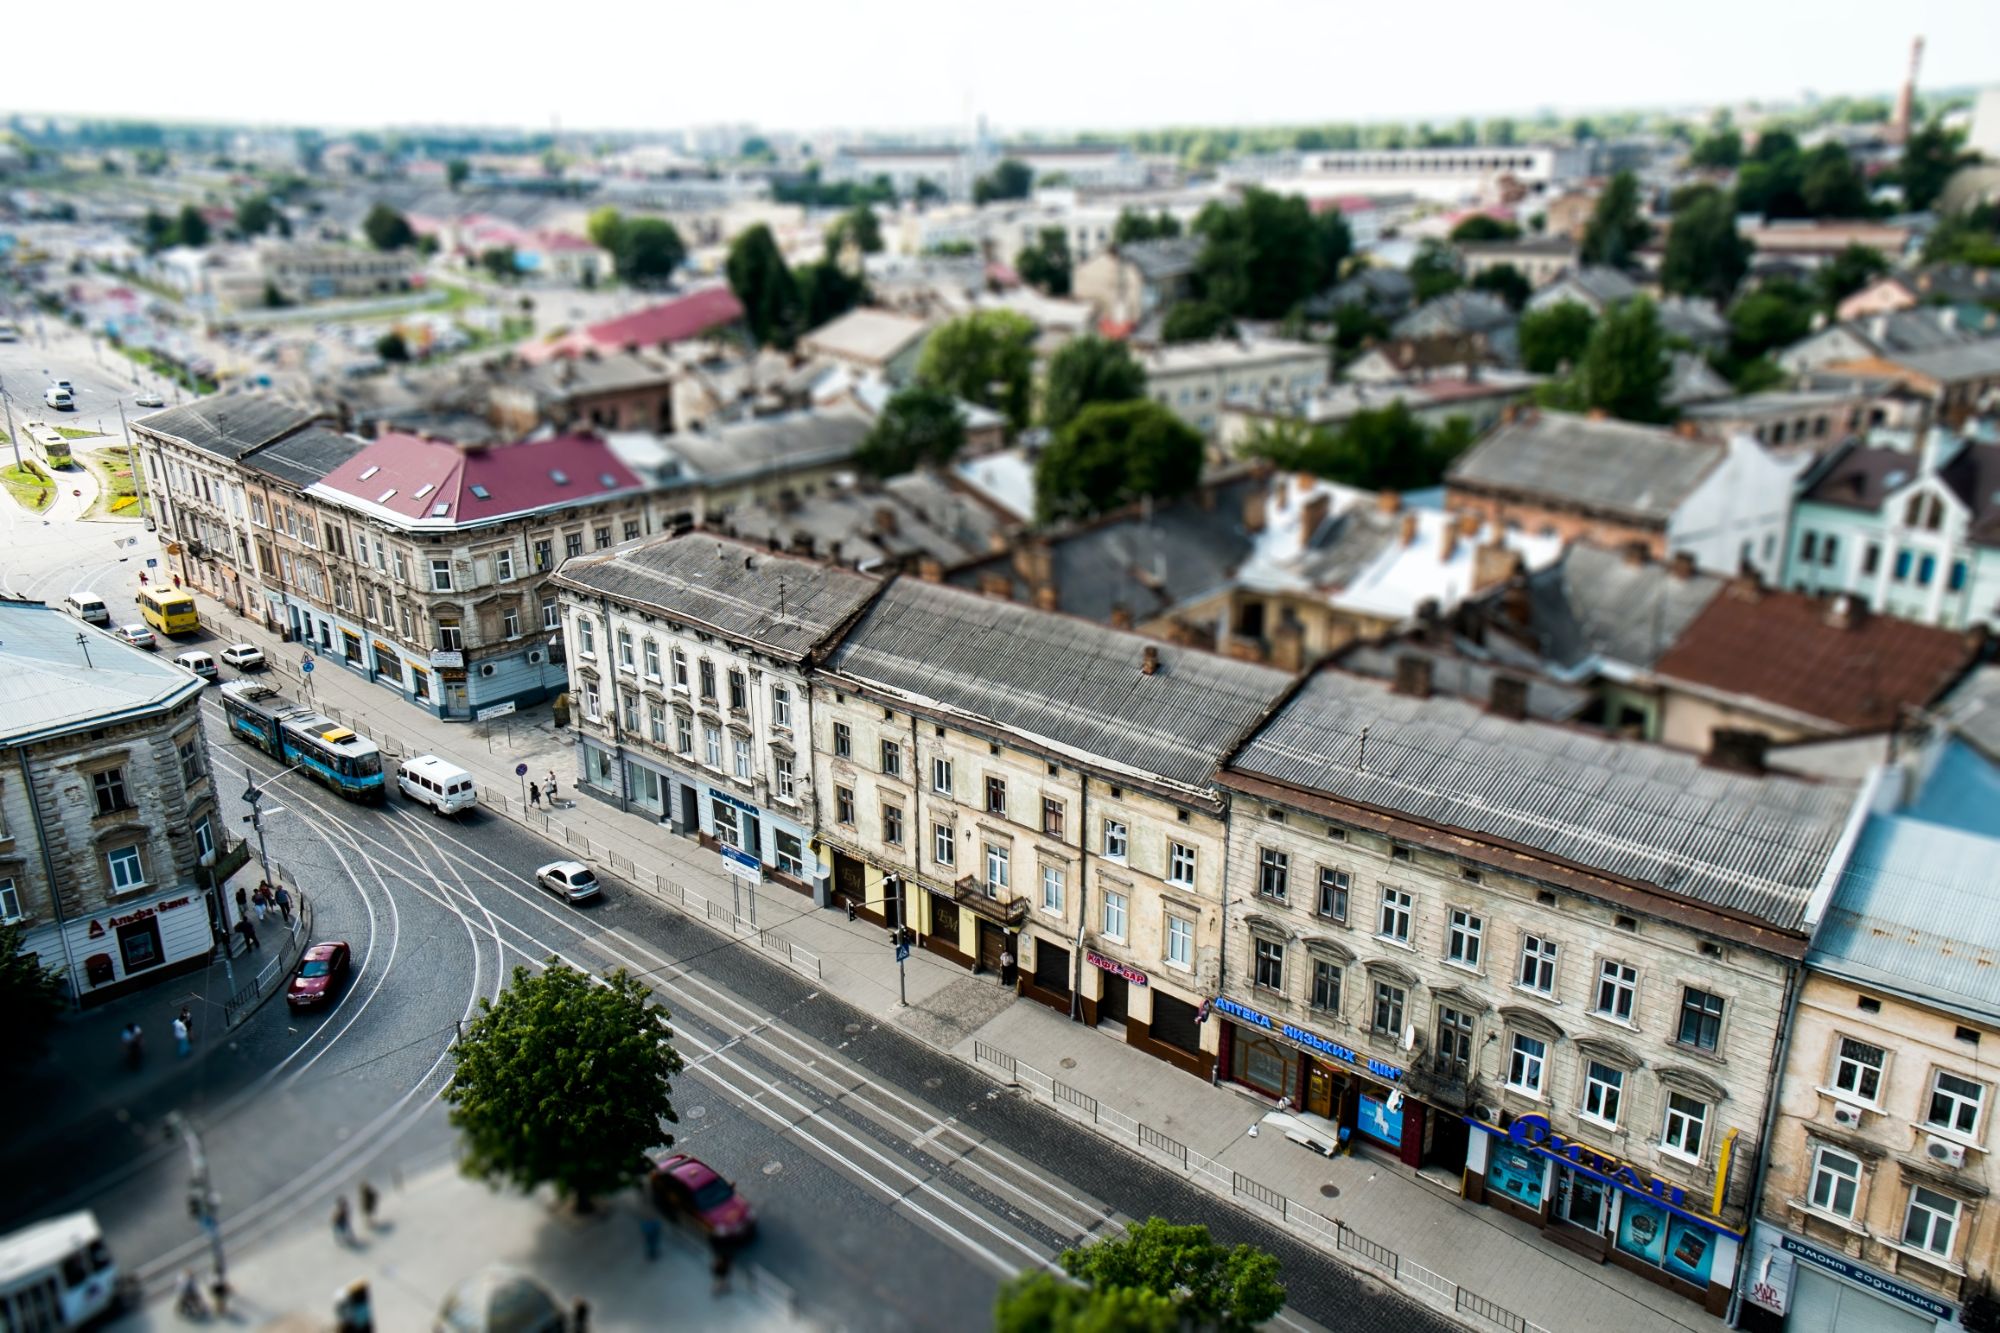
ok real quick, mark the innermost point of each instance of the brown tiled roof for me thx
(1785, 649)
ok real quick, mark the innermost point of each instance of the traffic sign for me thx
(152, 562)
(903, 951)
(520, 770)
(741, 863)
(306, 666)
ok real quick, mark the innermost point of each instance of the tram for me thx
(333, 755)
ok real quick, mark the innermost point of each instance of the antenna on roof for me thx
(83, 642)
(781, 599)
(1361, 758)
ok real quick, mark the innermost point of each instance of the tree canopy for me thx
(564, 1081)
(1377, 449)
(649, 251)
(858, 227)
(986, 357)
(386, 229)
(1196, 321)
(1722, 149)
(1623, 369)
(1554, 338)
(1434, 271)
(1046, 263)
(1089, 370)
(1268, 253)
(1929, 159)
(1506, 282)
(1484, 227)
(919, 427)
(1847, 273)
(1009, 179)
(1111, 454)
(1705, 254)
(1041, 1302)
(1133, 225)
(1775, 315)
(455, 172)
(257, 215)
(827, 290)
(770, 295)
(1210, 1286)
(31, 999)
(1616, 229)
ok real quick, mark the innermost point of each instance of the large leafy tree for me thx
(1046, 263)
(649, 251)
(564, 1081)
(1847, 273)
(1268, 253)
(1929, 159)
(858, 227)
(455, 172)
(1506, 282)
(986, 357)
(1722, 149)
(770, 295)
(1434, 271)
(1009, 179)
(31, 999)
(190, 227)
(1705, 254)
(1228, 1288)
(1830, 185)
(1555, 337)
(1623, 370)
(1089, 370)
(605, 227)
(1132, 225)
(1041, 1302)
(828, 290)
(1775, 315)
(386, 229)
(919, 427)
(1616, 229)
(1484, 227)
(1196, 321)
(1382, 448)
(1112, 454)
(257, 215)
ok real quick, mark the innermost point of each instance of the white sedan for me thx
(138, 636)
(569, 880)
(150, 400)
(244, 656)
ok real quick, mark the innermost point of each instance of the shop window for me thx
(1857, 1069)
(1603, 1092)
(1527, 1064)
(1955, 1104)
(1175, 1022)
(1270, 974)
(1686, 1123)
(1836, 1178)
(1259, 1062)
(791, 854)
(139, 944)
(1516, 1172)
(727, 831)
(1931, 1221)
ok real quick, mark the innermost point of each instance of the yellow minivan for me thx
(170, 611)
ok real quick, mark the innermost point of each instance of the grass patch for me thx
(68, 433)
(29, 485)
(145, 356)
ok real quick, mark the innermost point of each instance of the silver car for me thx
(571, 881)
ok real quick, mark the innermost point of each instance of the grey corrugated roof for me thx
(751, 448)
(1955, 363)
(1594, 603)
(1639, 812)
(1644, 472)
(1061, 679)
(1168, 257)
(736, 589)
(49, 682)
(306, 457)
(1464, 311)
(1465, 678)
(232, 424)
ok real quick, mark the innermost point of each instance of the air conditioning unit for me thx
(1944, 1151)
(1847, 1115)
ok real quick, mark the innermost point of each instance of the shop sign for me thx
(447, 657)
(1380, 1123)
(1312, 1041)
(1861, 1277)
(1113, 966)
(1533, 1131)
(97, 928)
(727, 799)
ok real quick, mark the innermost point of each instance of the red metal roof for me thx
(670, 322)
(431, 480)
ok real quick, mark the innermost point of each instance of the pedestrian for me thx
(249, 933)
(649, 1231)
(260, 906)
(187, 1017)
(343, 1222)
(1006, 966)
(242, 903)
(535, 795)
(283, 898)
(181, 1037)
(549, 787)
(351, 1310)
(579, 1316)
(177, 580)
(368, 1199)
(718, 1266)
(219, 1289)
(134, 1044)
(190, 1303)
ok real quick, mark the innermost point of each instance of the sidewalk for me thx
(1372, 1211)
(440, 1228)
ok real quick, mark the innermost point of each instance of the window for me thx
(551, 617)
(1857, 1069)
(109, 786)
(1955, 1103)
(1617, 984)
(791, 853)
(441, 574)
(1902, 572)
(128, 869)
(943, 840)
(656, 723)
(843, 805)
(892, 825)
(1701, 1019)
(510, 621)
(892, 758)
(1463, 945)
(941, 776)
(739, 692)
(1180, 941)
(629, 710)
(544, 555)
(1926, 570)
(652, 659)
(602, 536)
(740, 755)
(1830, 551)
(1871, 558)
(592, 708)
(1809, 546)
(191, 765)
(10, 900)
(450, 638)
(1052, 816)
(1270, 974)
(997, 870)
(1388, 1016)
(1603, 1091)
(1836, 1177)
(1333, 889)
(1326, 985)
(711, 745)
(1958, 573)
(781, 707)
(1687, 1119)
(625, 659)
(586, 637)
(843, 741)
(1526, 1065)
(785, 778)
(1454, 1042)
(572, 543)
(1932, 1219)
(631, 529)
(1180, 864)
(680, 660)
(683, 735)
(1114, 915)
(1273, 873)
(1396, 915)
(1115, 839)
(1052, 889)
(708, 680)
(996, 796)
(1538, 964)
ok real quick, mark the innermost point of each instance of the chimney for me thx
(1045, 597)
(1149, 661)
(1409, 530)
(1735, 751)
(1121, 616)
(885, 521)
(1413, 675)
(1493, 563)
(1508, 697)
(996, 584)
(1032, 562)
(1844, 611)
(1253, 509)
(1388, 502)
(1288, 644)
(1681, 565)
(1634, 553)
(1311, 515)
(930, 569)
(833, 552)
(1516, 607)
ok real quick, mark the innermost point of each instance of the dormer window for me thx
(425, 489)
(481, 493)
(559, 478)
(369, 471)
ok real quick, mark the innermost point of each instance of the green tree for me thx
(1847, 273)
(606, 229)
(564, 1081)
(1268, 253)
(1775, 315)
(770, 295)
(1623, 369)
(1616, 230)
(1831, 187)
(1041, 1302)
(858, 227)
(1971, 239)
(499, 262)
(1132, 225)
(31, 999)
(1231, 1289)
(919, 427)
(1721, 150)
(1705, 254)
(1111, 454)
(392, 348)
(649, 251)
(1196, 321)
(1089, 370)
(257, 215)
(1045, 264)
(1506, 282)
(455, 172)
(386, 229)
(190, 227)
(1929, 159)
(1009, 179)
(1435, 272)
(1355, 326)
(986, 357)
(1484, 227)
(827, 290)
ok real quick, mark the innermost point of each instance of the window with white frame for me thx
(683, 734)
(1464, 941)
(740, 755)
(711, 744)
(1931, 1222)
(1617, 986)
(441, 574)
(1603, 1092)
(592, 703)
(625, 650)
(1115, 839)
(1274, 872)
(1334, 886)
(892, 758)
(503, 564)
(1180, 864)
(781, 707)
(1857, 1069)
(784, 777)
(628, 710)
(1538, 964)
(586, 637)
(510, 620)
(1955, 1104)
(1326, 985)
(1180, 941)
(944, 844)
(1114, 915)
(551, 614)
(1527, 1064)
(1836, 1181)
(680, 660)
(997, 870)
(1686, 1122)
(1270, 973)
(652, 651)
(127, 867)
(1701, 1019)
(892, 825)
(10, 899)
(1395, 915)
(656, 722)
(941, 776)
(1052, 889)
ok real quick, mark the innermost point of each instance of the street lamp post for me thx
(203, 1202)
(255, 796)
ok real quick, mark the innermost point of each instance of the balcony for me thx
(1010, 911)
(1438, 1083)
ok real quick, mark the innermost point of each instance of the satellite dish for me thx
(1409, 1040)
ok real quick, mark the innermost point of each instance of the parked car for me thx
(88, 607)
(198, 662)
(244, 656)
(320, 976)
(138, 636)
(685, 1187)
(150, 400)
(569, 880)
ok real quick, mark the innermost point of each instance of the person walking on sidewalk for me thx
(343, 1221)
(249, 934)
(368, 1199)
(181, 1037)
(187, 1017)
(649, 1232)
(579, 1316)
(351, 1311)
(283, 898)
(134, 1043)
(242, 903)
(534, 795)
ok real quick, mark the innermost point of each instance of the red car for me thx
(321, 973)
(684, 1186)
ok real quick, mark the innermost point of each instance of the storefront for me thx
(1792, 1283)
(115, 951)
(1288, 1063)
(1128, 1003)
(1601, 1205)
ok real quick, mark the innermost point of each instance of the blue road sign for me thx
(742, 863)
(152, 563)
(306, 666)
(520, 770)
(902, 952)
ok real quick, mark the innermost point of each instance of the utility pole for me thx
(132, 459)
(899, 935)
(13, 436)
(203, 1202)
(255, 796)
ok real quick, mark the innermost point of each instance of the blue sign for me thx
(306, 666)
(902, 951)
(520, 770)
(1312, 1041)
(1854, 1273)
(739, 862)
(1533, 1133)
(152, 563)
(1378, 1122)
(727, 799)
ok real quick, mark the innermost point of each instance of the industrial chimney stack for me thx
(1906, 100)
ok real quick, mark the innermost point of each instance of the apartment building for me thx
(1197, 380)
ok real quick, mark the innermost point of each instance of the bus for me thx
(48, 444)
(169, 610)
(59, 1275)
(331, 754)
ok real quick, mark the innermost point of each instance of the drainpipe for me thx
(915, 833)
(1794, 985)
(49, 868)
(614, 699)
(1082, 892)
(1222, 948)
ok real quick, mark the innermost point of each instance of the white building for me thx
(1196, 379)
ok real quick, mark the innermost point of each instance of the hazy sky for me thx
(1055, 64)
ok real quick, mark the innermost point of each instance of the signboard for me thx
(1312, 1041)
(1113, 966)
(741, 863)
(903, 951)
(497, 710)
(152, 563)
(1380, 1123)
(727, 799)
(1861, 1277)
(306, 666)
(447, 657)
(520, 770)
(1533, 1133)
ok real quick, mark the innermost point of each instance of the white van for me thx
(87, 607)
(445, 788)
